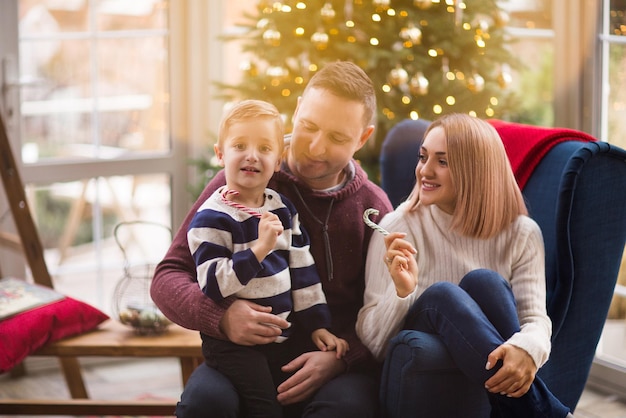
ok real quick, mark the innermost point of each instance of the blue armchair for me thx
(576, 192)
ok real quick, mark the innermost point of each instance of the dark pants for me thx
(208, 393)
(254, 371)
(472, 319)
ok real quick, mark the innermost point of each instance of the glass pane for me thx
(617, 18)
(534, 81)
(135, 14)
(76, 222)
(132, 94)
(616, 106)
(612, 345)
(92, 94)
(529, 14)
(41, 18)
(57, 109)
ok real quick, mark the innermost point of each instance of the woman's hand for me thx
(516, 374)
(400, 260)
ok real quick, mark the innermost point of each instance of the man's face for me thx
(327, 131)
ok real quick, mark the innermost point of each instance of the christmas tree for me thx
(425, 57)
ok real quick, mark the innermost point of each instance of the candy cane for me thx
(239, 206)
(371, 224)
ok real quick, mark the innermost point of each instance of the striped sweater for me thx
(220, 237)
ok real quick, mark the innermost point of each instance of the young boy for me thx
(259, 254)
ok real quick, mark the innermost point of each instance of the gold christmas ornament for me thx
(276, 72)
(381, 4)
(320, 40)
(505, 78)
(327, 12)
(262, 24)
(271, 37)
(483, 25)
(423, 4)
(412, 34)
(476, 83)
(418, 85)
(265, 6)
(249, 68)
(398, 76)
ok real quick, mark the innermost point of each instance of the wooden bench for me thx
(111, 339)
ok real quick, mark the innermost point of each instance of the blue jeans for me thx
(472, 319)
(209, 394)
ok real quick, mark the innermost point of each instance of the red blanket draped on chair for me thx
(526, 145)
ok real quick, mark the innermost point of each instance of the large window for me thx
(87, 96)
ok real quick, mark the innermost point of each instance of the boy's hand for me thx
(270, 228)
(327, 341)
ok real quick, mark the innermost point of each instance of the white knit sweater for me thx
(517, 254)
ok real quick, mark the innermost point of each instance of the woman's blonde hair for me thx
(247, 110)
(488, 197)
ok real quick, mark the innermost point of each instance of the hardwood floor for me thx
(160, 378)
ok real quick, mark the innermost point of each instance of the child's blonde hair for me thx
(488, 197)
(248, 110)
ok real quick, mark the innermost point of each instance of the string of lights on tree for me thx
(425, 57)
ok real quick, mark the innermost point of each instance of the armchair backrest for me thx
(575, 188)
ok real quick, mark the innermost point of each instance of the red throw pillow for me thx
(28, 331)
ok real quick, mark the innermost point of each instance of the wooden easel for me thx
(111, 339)
(28, 239)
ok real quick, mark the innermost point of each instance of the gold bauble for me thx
(476, 83)
(249, 68)
(327, 12)
(423, 4)
(271, 37)
(411, 33)
(505, 78)
(262, 23)
(320, 40)
(398, 76)
(276, 72)
(418, 85)
(381, 4)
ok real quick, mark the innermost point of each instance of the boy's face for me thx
(250, 154)
(327, 131)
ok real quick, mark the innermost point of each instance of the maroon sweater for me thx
(339, 241)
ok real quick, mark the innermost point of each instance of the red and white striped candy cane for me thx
(239, 206)
(372, 224)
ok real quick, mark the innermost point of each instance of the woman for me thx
(467, 266)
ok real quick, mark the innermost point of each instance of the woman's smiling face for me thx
(436, 186)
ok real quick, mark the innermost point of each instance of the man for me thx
(333, 120)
